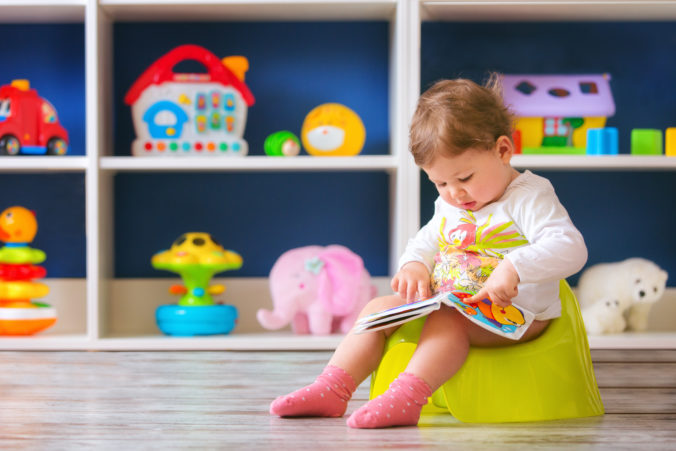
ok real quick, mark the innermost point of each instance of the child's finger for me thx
(395, 284)
(480, 296)
(411, 292)
(424, 289)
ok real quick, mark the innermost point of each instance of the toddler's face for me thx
(475, 178)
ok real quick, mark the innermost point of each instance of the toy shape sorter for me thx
(554, 112)
(191, 113)
(196, 257)
(28, 123)
(18, 268)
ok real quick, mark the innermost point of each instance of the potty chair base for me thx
(178, 320)
(548, 378)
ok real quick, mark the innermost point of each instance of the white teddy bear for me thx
(604, 317)
(636, 283)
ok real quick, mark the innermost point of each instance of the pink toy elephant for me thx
(319, 290)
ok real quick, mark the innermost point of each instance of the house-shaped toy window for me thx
(554, 112)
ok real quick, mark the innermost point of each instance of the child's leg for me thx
(441, 351)
(354, 359)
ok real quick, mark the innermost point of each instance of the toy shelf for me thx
(102, 311)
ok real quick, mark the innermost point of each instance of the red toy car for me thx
(28, 123)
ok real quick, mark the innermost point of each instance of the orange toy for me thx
(18, 314)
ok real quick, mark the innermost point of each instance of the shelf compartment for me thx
(285, 83)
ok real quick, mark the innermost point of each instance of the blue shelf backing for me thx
(59, 204)
(258, 215)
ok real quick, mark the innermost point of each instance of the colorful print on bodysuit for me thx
(470, 252)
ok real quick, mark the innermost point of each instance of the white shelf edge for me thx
(42, 11)
(548, 10)
(154, 10)
(42, 164)
(249, 163)
(266, 341)
(595, 162)
(634, 340)
(47, 342)
(370, 162)
(269, 341)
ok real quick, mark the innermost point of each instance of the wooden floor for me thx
(219, 400)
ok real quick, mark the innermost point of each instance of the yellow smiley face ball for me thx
(331, 130)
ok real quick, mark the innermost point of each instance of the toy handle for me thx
(178, 289)
(189, 52)
(216, 289)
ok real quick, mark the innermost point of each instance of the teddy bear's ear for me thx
(664, 275)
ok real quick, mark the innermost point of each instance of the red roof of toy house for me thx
(162, 71)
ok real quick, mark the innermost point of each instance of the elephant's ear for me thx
(339, 279)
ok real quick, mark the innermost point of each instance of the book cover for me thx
(511, 322)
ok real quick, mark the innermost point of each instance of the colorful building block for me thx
(646, 141)
(602, 141)
(670, 142)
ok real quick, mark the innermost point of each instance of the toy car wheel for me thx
(9, 145)
(57, 146)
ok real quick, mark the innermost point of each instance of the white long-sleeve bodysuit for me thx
(528, 225)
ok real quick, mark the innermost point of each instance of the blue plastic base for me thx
(190, 321)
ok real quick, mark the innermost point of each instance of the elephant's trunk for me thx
(274, 319)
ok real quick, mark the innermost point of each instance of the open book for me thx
(510, 322)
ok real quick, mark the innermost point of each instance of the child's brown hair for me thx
(455, 115)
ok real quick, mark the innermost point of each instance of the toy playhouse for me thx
(554, 112)
(191, 113)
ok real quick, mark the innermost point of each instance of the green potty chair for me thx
(548, 378)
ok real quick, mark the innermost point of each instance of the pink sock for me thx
(400, 405)
(327, 396)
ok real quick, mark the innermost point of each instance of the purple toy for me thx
(319, 290)
(559, 95)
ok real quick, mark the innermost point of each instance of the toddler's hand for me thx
(500, 287)
(412, 278)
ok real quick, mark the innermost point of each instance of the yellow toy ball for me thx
(331, 130)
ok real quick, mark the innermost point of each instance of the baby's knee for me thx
(447, 321)
(381, 303)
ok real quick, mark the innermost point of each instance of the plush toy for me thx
(319, 290)
(636, 283)
(604, 317)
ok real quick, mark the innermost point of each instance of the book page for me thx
(510, 322)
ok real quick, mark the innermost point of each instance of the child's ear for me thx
(505, 149)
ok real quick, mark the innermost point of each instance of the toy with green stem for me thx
(196, 257)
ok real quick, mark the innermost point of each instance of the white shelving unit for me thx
(107, 308)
